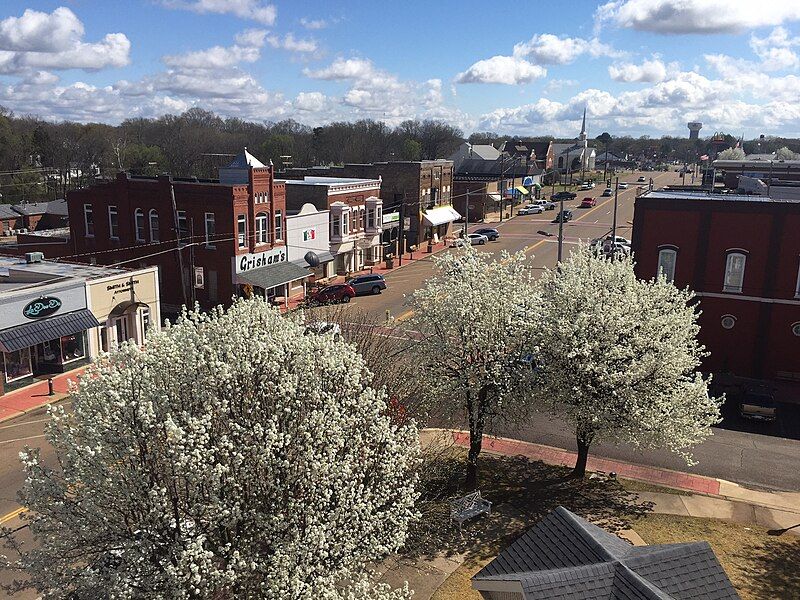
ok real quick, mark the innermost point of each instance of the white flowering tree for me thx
(471, 321)
(731, 154)
(233, 457)
(618, 357)
(785, 153)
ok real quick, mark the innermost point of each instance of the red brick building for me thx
(741, 255)
(209, 238)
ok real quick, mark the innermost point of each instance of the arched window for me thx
(734, 271)
(262, 228)
(667, 258)
(138, 217)
(155, 234)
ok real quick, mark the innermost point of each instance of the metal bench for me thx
(469, 506)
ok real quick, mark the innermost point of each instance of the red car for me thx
(340, 292)
(588, 202)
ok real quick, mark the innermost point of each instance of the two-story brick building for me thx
(356, 216)
(741, 256)
(419, 191)
(211, 239)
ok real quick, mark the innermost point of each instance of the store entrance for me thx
(54, 356)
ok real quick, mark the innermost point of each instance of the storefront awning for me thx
(273, 275)
(440, 216)
(523, 190)
(51, 328)
(495, 197)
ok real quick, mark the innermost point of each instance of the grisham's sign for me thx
(256, 260)
(41, 307)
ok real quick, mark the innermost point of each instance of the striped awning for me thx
(43, 330)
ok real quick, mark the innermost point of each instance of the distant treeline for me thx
(41, 160)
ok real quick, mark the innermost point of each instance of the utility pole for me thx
(561, 229)
(769, 181)
(614, 218)
(400, 242)
(178, 242)
(191, 262)
(502, 182)
(566, 173)
(514, 182)
(466, 218)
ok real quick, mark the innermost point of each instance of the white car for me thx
(623, 185)
(472, 238)
(324, 328)
(587, 186)
(531, 209)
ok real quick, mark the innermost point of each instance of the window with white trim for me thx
(278, 225)
(155, 232)
(241, 228)
(183, 226)
(336, 226)
(666, 263)
(211, 229)
(262, 228)
(138, 217)
(734, 272)
(88, 220)
(345, 223)
(113, 223)
(370, 218)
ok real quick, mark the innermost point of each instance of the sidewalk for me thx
(19, 402)
(724, 491)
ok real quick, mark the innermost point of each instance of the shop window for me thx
(211, 230)
(88, 220)
(345, 223)
(241, 227)
(73, 347)
(121, 326)
(155, 234)
(138, 216)
(666, 263)
(113, 223)
(278, 225)
(262, 228)
(734, 272)
(17, 364)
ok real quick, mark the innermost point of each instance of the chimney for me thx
(34, 257)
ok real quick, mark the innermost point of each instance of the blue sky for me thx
(641, 67)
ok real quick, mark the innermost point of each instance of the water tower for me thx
(694, 129)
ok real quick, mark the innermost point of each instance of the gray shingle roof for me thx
(6, 212)
(564, 556)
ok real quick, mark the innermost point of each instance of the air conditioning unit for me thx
(34, 257)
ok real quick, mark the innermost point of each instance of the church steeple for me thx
(582, 136)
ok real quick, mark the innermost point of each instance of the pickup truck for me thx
(759, 406)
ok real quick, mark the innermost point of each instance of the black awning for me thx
(273, 275)
(52, 328)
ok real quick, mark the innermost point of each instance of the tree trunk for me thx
(477, 418)
(584, 440)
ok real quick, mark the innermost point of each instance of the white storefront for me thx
(309, 231)
(356, 249)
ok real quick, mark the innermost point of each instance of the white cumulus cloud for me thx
(252, 10)
(38, 31)
(650, 71)
(508, 70)
(247, 49)
(293, 44)
(549, 49)
(696, 16)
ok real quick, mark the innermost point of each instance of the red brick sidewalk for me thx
(17, 403)
(557, 456)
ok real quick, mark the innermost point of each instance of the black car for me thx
(489, 232)
(563, 195)
(566, 215)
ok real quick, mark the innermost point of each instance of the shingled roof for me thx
(564, 556)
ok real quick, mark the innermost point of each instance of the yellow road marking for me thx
(12, 514)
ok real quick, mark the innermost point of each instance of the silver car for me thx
(368, 284)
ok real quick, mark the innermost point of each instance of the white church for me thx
(575, 157)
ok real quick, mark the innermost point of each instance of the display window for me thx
(17, 364)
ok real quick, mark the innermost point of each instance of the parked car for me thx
(323, 328)
(558, 196)
(759, 406)
(489, 232)
(623, 185)
(367, 284)
(588, 202)
(531, 209)
(619, 240)
(341, 292)
(642, 179)
(565, 215)
(608, 192)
